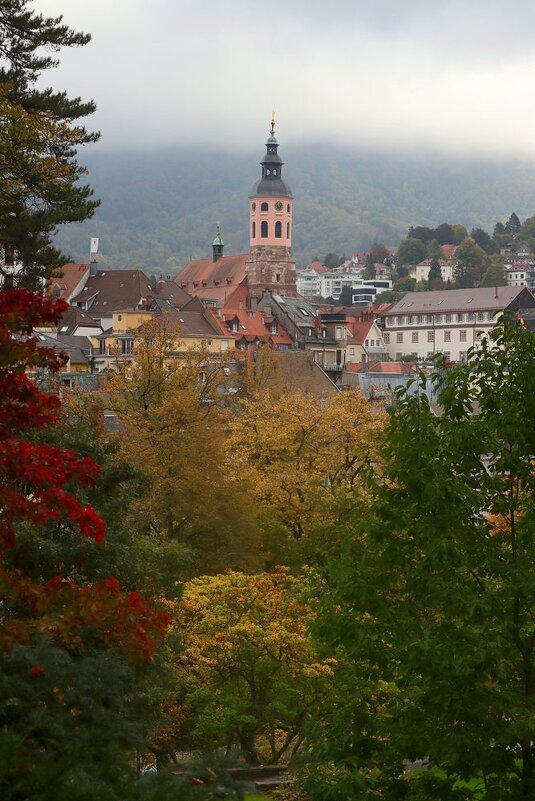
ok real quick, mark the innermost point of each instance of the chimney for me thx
(92, 268)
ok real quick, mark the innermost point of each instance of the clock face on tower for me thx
(278, 205)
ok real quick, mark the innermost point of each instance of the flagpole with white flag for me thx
(93, 246)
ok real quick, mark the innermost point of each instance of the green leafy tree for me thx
(433, 250)
(332, 260)
(421, 232)
(471, 260)
(248, 669)
(526, 237)
(346, 296)
(430, 613)
(484, 240)
(494, 275)
(410, 251)
(444, 234)
(39, 136)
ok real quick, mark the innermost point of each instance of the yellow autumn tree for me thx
(308, 461)
(248, 673)
(172, 418)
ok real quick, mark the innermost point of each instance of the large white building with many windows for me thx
(451, 321)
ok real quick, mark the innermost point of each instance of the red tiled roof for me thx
(359, 329)
(199, 274)
(252, 325)
(448, 251)
(72, 275)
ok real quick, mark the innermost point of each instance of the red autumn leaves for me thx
(36, 483)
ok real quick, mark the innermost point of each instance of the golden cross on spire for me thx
(273, 121)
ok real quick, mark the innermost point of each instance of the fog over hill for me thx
(159, 209)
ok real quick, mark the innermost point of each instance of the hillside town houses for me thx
(248, 302)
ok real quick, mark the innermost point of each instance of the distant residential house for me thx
(192, 328)
(304, 326)
(75, 322)
(107, 291)
(359, 339)
(520, 271)
(252, 327)
(420, 272)
(422, 324)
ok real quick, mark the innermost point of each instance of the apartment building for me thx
(452, 321)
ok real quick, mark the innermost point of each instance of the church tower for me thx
(270, 265)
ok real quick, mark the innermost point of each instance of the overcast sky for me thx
(457, 75)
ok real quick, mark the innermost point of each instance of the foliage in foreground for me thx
(431, 611)
(248, 670)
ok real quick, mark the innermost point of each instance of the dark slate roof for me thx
(458, 300)
(275, 187)
(111, 290)
(74, 317)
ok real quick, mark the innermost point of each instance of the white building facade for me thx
(450, 322)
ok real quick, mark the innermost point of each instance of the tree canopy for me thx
(39, 137)
(431, 610)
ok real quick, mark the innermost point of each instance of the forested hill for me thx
(159, 209)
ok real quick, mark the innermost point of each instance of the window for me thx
(447, 355)
(399, 337)
(399, 320)
(310, 332)
(264, 229)
(254, 230)
(460, 318)
(430, 336)
(386, 338)
(430, 355)
(278, 278)
(287, 230)
(448, 318)
(410, 319)
(127, 346)
(438, 318)
(480, 317)
(428, 318)
(278, 230)
(288, 208)
(414, 337)
(264, 207)
(462, 356)
(447, 336)
(462, 336)
(102, 346)
(471, 317)
(420, 318)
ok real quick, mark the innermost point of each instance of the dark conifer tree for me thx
(39, 139)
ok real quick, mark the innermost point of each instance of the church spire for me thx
(217, 244)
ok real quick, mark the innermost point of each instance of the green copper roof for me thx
(218, 240)
(272, 140)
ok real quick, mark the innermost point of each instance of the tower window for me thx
(254, 230)
(288, 208)
(264, 229)
(287, 230)
(278, 229)
(264, 207)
